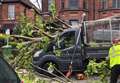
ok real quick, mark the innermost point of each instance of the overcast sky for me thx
(35, 2)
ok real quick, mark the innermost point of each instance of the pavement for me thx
(73, 80)
(92, 79)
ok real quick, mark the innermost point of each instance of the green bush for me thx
(98, 69)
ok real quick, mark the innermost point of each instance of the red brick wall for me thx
(0, 11)
(4, 11)
(30, 14)
(94, 10)
(44, 5)
(90, 7)
(58, 6)
(67, 14)
(19, 9)
(102, 13)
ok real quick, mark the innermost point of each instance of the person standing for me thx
(114, 56)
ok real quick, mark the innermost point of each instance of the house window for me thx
(74, 23)
(73, 4)
(11, 11)
(116, 3)
(104, 4)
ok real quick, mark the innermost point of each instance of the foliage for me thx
(30, 77)
(28, 28)
(25, 26)
(4, 36)
(53, 8)
(23, 57)
(39, 23)
(57, 52)
(100, 69)
(44, 43)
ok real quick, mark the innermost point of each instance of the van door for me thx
(67, 46)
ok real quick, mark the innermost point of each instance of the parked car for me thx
(7, 73)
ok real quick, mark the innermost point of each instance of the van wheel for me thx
(86, 62)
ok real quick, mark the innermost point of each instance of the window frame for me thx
(104, 4)
(85, 4)
(73, 4)
(11, 11)
(115, 3)
(64, 36)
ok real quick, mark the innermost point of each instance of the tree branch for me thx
(66, 24)
(46, 34)
(25, 37)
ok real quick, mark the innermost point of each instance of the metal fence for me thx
(102, 31)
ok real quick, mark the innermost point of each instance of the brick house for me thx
(10, 10)
(71, 10)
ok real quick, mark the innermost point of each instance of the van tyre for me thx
(48, 63)
(86, 62)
